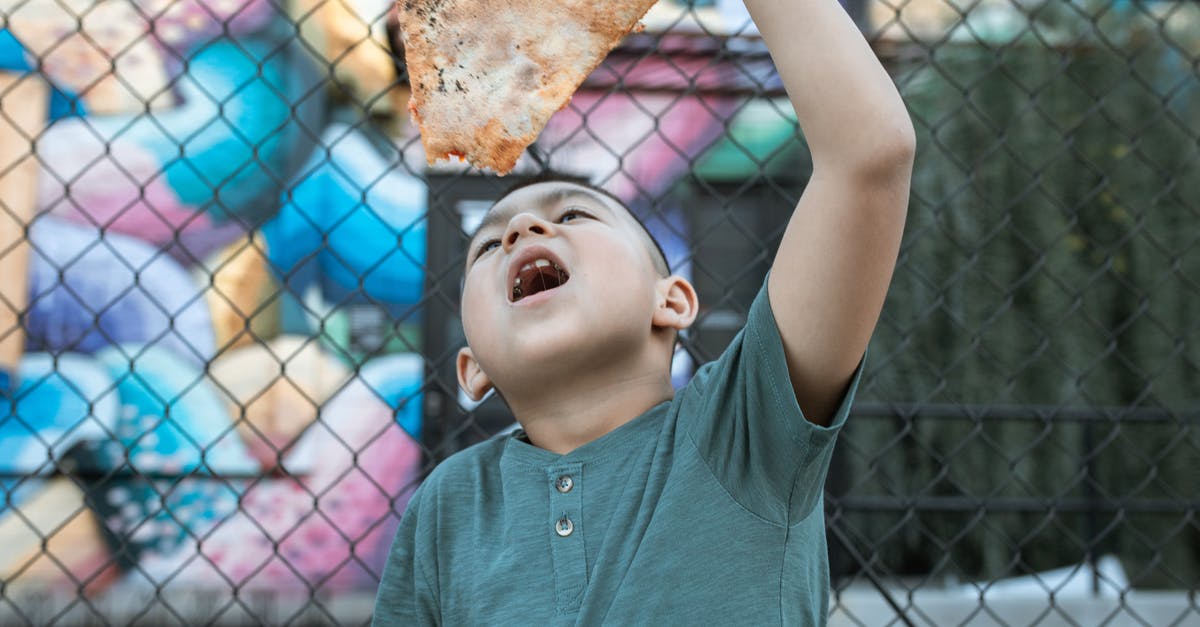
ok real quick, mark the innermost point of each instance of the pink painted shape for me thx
(182, 23)
(340, 544)
(120, 187)
(637, 143)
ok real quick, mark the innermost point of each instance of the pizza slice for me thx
(487, 75)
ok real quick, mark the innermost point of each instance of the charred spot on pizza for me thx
(423, 7)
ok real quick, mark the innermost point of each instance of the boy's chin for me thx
(560, 357)
(546, 359)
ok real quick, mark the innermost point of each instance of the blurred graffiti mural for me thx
(214, 263)
(199, 227)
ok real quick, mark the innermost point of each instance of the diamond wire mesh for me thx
(229, 300)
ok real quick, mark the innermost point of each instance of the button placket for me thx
(565, 528)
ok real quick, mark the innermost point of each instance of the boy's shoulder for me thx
(468, 469)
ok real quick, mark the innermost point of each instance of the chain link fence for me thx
(229, 300)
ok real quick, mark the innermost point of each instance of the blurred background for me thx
(229, 300)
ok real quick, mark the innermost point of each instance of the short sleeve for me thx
(741, 413)
(405, 596)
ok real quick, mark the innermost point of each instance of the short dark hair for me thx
(656, 253)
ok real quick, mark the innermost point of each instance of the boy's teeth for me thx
(538, 263)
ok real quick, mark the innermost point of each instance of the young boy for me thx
(620, 502)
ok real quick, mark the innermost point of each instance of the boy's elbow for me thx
(884, 154)
(888, 168)
(892, 155)
(905, 138)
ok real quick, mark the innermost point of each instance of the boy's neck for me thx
(588, 408)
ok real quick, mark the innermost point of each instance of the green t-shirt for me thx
(706, 509)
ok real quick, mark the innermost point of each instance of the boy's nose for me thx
(525, 225)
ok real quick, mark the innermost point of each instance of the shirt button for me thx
(564, 484)
(564, 527)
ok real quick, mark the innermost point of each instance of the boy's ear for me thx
(471, 377)
(677, 303)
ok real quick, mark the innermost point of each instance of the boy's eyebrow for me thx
(543, 199)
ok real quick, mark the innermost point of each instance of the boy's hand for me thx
(833, 267)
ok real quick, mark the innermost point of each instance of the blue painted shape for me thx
(398, 380)
(12, 54)
(59, 401)
(172, 420)
(13, 58)
(90, 290)
(244, 125)
(354, 224)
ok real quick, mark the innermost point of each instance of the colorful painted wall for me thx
(212, 271)
(192, 216)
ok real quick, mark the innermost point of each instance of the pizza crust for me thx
(487, 75)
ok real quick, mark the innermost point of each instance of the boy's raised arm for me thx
(833, 267)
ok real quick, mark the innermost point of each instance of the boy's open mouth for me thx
(536, 276)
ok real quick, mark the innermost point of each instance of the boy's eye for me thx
(572, 214)
(486, 246)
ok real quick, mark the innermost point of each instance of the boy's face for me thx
(557, 277)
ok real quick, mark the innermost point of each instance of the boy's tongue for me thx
(535, 278)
